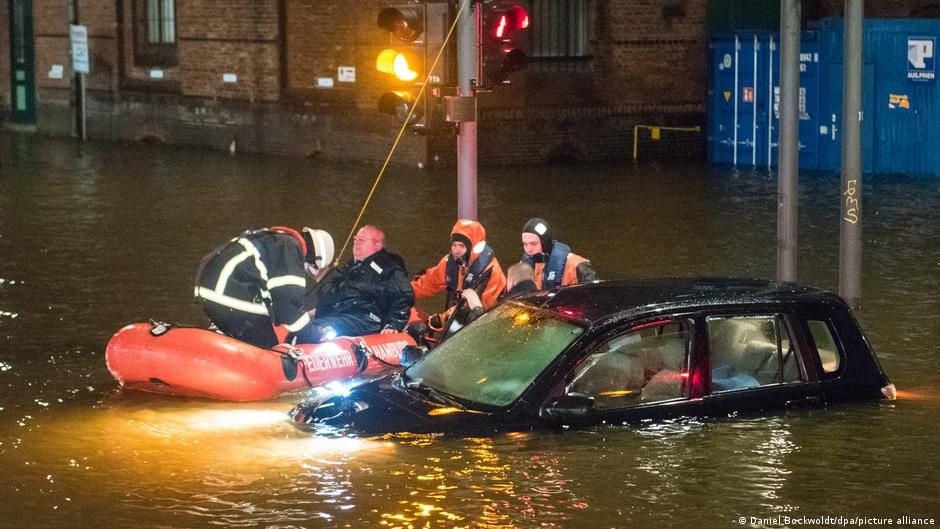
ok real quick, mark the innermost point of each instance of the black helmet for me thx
(540, 228)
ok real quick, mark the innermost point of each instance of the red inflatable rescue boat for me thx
(194, 362)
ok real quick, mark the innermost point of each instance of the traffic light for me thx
(416, 33)
(503, 42)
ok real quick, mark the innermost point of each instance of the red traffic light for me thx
(513, 19)
(505, 39)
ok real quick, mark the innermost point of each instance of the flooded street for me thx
(91, 243)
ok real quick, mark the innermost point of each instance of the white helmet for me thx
(320, 256)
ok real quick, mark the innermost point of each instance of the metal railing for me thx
(656, 133)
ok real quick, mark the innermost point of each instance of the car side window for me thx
(751, 351)
(825, 345)
(643, 365)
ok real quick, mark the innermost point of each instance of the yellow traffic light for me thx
(415, 33)
(404, 66)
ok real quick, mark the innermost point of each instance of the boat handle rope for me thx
(159, 328)
(365, 350)
(296, 355)
(401, 131)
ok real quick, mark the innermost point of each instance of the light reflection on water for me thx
(73, 453)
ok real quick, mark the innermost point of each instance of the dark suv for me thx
(623, 352)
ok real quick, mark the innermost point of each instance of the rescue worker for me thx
(257, 280)
(470, 264)
(369, 294)
(554, 263)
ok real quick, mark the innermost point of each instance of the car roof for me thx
(602, 299)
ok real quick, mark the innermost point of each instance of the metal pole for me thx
(79, 87)
(737, 53)
(770, 100)
(789, 144)
(754, 107)
(82, 122)
(467, 49)
(850, 233)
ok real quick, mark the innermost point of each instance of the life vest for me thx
(554, 269)
(474, 277)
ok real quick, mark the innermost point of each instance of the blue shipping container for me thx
(900, 98)
(744, 99)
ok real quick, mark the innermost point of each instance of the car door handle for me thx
(804, 402)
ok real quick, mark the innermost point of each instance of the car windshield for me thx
(495, 359)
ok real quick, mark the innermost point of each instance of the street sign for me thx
(79, 39)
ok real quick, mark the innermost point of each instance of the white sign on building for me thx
(78, 35)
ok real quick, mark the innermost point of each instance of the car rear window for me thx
(751, 351)
(825, 345)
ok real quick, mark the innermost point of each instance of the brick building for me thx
(256, 75)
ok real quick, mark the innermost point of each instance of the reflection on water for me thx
(90, 244)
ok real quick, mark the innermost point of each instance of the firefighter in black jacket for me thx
(257, 280)
(369, 294)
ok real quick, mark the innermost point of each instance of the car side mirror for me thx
(411, 354)
(572, 406)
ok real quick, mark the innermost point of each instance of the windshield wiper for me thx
(426, 390)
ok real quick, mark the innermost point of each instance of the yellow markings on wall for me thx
(899, 101)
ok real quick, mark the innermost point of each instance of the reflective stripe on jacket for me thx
(259, 272)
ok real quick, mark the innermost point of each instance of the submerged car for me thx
(623, 352)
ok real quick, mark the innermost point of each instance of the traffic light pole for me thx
(467, 48)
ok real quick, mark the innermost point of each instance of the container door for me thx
(808, 102)
(21, 62)
(830, 137)
(721, 103)
(748, 83)
(907, 95)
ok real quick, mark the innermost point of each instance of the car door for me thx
(757, 362)
(639, 372)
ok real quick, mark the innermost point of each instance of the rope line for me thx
(401, 131)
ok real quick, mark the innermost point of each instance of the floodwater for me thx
(91, 243)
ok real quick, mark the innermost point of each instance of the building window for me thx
(155, 32)
(561, 29)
